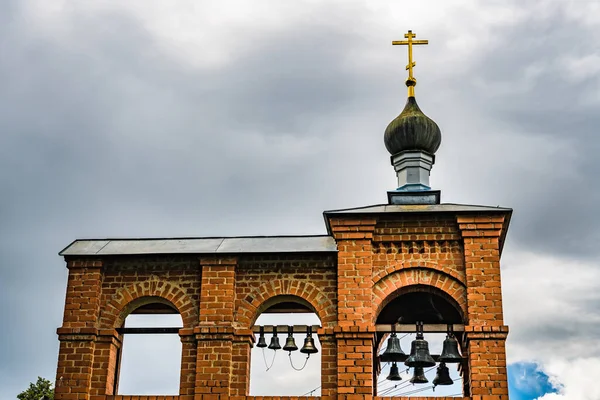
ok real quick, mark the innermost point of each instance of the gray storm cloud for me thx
(103, 132)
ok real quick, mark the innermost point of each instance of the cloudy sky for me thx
(144, 118)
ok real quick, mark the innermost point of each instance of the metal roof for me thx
(416, 208)
(221, 245)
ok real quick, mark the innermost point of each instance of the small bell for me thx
(309, 343)
(290, 343)
(394, 373)
(442, 376)
(262, 343)
(393, 352)
(450, 352)
(274, 345)
(419, 351)
(418, 376)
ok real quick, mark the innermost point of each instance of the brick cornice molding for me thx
(352, 229)
(85, 263)
(216, 261)
(361, 331)
(480, 225)
(486, 332)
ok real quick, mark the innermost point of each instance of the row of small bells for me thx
(290, 344)
(420, 358)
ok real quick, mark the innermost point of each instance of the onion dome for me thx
(412, 130)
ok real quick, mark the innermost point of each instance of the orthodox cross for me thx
(411, 81)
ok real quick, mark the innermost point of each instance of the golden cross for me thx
(411, 81)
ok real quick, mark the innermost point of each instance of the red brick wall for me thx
(219, 298)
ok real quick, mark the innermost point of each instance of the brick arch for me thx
(418, 279)
(257, 301)
(153, 290)
(402, 265)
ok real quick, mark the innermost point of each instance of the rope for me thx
(292, 363)
(265, 359)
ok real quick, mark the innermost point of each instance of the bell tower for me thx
(408, 269)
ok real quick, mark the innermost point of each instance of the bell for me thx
(450, 352)
(261, 338)
(419, 351)
(418, 376)
(394, 373)
(274, 345)
(309, 343)
(290, 343)
(393, 352)
(443, 376)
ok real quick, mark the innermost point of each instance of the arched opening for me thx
(149, 361)
(435, 310)
(280, 372)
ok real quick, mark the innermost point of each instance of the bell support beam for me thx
(427, 328)
(298, 329)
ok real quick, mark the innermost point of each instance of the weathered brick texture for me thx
(380, 257)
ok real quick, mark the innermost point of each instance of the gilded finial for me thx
(410, 81)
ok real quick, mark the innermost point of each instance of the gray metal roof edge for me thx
(198, 237)
(356, 210)
(476, 208)
(60, 253)
(223, 238)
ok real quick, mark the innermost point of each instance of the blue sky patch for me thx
(527, 382)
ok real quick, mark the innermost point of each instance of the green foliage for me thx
(37, 391)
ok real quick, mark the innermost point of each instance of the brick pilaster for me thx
(240, 371)
(354, 333)
(213, 362)
(355, 362)
(355, 270)
(487, 374)
(106, 359)
(189, 354)
(78, 333)
(214, 333)
(485, 333)
(328, 364)
(217, 291)
(481, 237)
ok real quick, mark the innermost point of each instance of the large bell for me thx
(309, 343)
(450, 352)
(393, 352)
(418, 376)
(274, 345)
(394, 373)
(443, 376)
(262, 343)
(419, 351)
(290, 343)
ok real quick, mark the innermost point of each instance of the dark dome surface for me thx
(412, 130)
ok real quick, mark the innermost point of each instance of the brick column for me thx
(106, 360)
(485, 333)
(481, 238)
(487, 377)
(215, 332)
(240, 371)
(213, 362)
(78, 334)
(355, 330)
(328, 364)
(217, 291)
(189, 353)
(355, 362)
